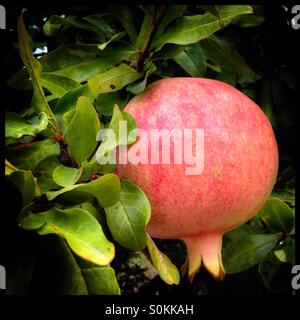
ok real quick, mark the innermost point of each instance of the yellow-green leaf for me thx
(165, 268)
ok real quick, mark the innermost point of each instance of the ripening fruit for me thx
(239, 172)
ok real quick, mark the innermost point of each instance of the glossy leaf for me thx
(100, 23)
(287, 252)
(92, 167)
(277, 215)
(244, 251)
(101, 280)
(44, 174)
(115, 37)
(173, 12)
(82, 130)
(66, 176)
(191, 29)
(105, 102)
(284, 101)
(16, 127)
(29, 157)
(169, 51)
(192, 60)
(253, 20)
(228, 77)
(112, 139)
(82, 62)
(66, 271)
(9, 168)
(55, 22)
(139, 87)
(221, 53)
(105, 189)
(26, 183)
(58, 85)
(284, 195)
(80, 229)
(124, 14)
(165, 268)
(269, 269)
(127, 219)
(113, 80)
(34, 70)
(78, 62)
(68, 102)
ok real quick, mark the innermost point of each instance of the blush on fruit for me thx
(240, 165)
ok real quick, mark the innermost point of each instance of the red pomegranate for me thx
(240, 164)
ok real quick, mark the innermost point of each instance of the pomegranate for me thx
(240, 165)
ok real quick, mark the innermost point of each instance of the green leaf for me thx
(286, 196)
(34, 70)
(82, 130)
(127, 219)
(115, 37)
(105, 189)
(228, 77)
(52, 26)
(92, 167)
(68, 102)
(173, 12)
(9, 168)
(16, 127)
(277, 216)
(100, 23)
(55, 22)
(82, 62)
(113, 80)
(269, 269)
(58, 85)
(221, 53)
(81, 230)
(125, 16)
(66, 176)
(105, 102)
(66, 271)
(165, 268)
(287, 253)
(101, 280)
(191, 29)
(26, 183)
(243, 251)
(284, 102)
(267, 104)
(105, 153)
(139, 87)
(169, 51)
(29, 157)
(68, 116)
(43, 173)
(253, 20)
(192, 60)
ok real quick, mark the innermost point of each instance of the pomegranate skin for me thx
(240, 164)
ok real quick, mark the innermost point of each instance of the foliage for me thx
(96, 62)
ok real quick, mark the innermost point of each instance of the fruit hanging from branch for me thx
(239, 169)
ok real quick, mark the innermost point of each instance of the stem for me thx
(149, 27)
